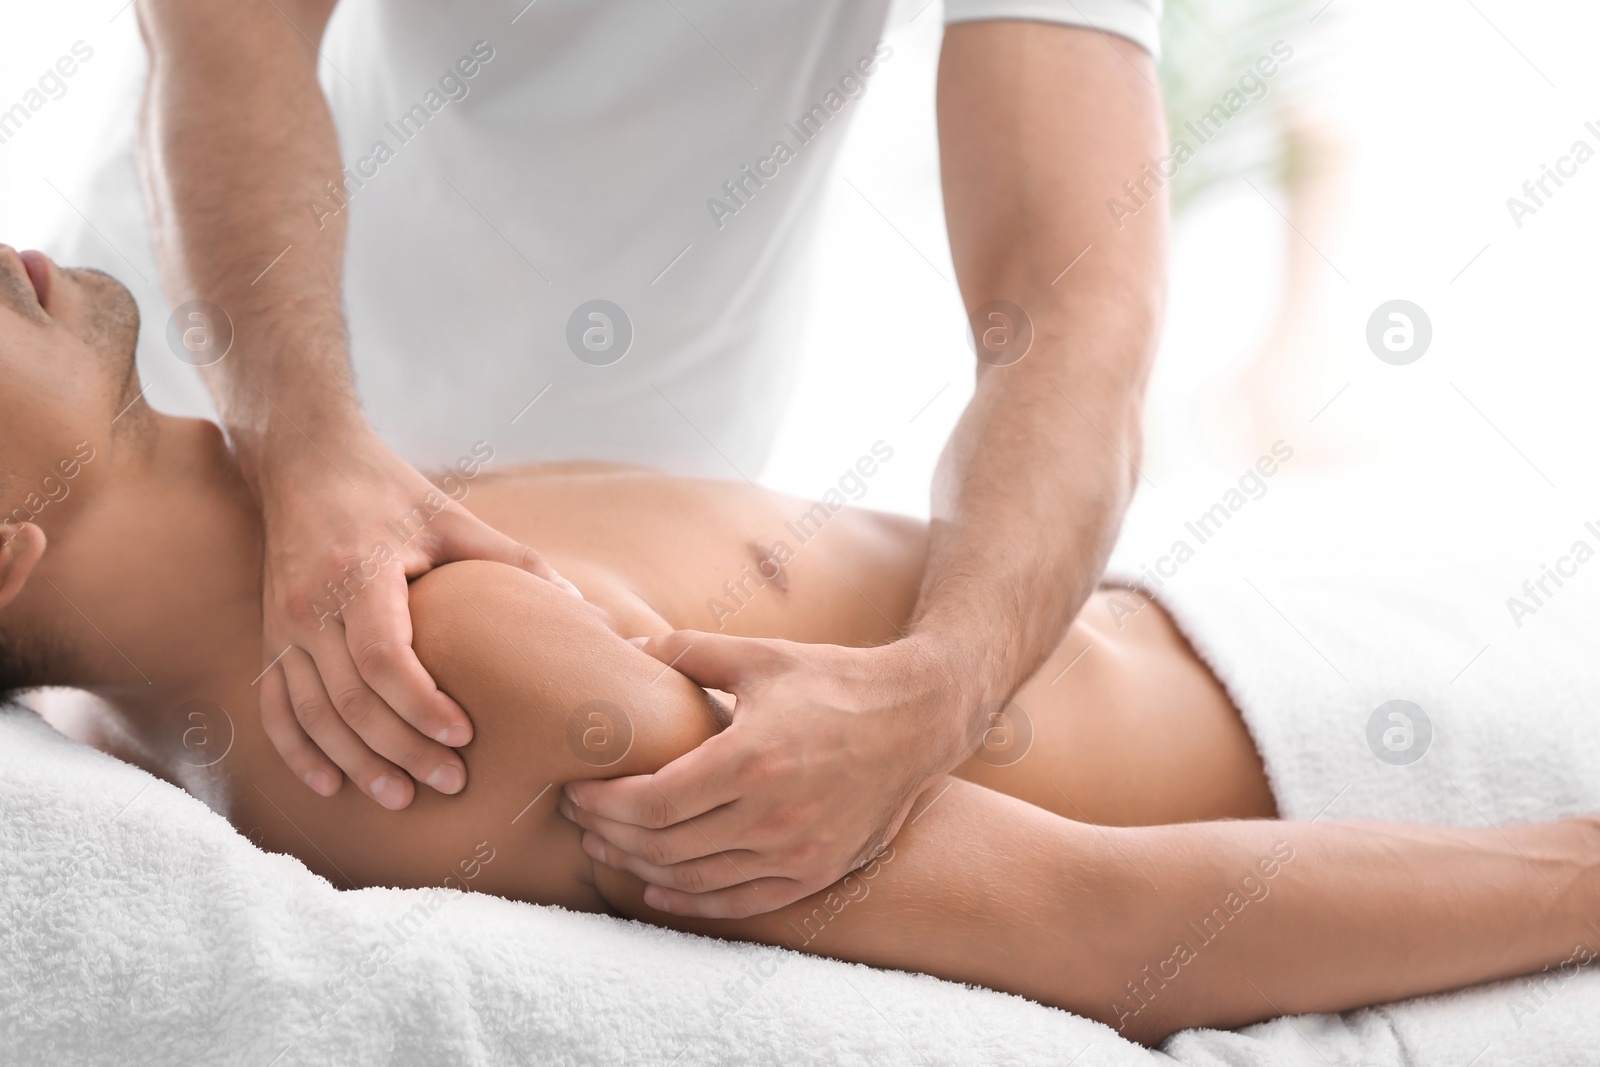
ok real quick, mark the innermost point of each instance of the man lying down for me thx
(1038, 877)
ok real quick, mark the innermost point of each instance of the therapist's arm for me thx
(1039, 125)
(236, 145)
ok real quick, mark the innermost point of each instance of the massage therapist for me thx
(579, 230)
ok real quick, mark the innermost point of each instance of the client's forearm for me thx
(1217, 924)
(1222, 924)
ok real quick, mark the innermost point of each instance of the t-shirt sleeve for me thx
(1137, 20)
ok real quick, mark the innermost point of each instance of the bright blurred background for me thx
(1376, 167)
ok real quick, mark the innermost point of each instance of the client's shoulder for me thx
(456, 587)
(454, 606)
(524, 657)
(497, 637)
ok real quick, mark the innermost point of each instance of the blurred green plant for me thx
(1207, 46)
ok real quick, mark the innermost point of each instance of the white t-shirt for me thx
(510, 165)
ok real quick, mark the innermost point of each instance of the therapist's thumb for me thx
(468, 537)
(713, 661)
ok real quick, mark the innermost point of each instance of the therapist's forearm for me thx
(1039, 124)
(236, 145)
(1028, 501)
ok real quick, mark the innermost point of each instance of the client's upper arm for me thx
(553, 690)
(554, 694)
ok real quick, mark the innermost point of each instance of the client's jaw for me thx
(129, 546)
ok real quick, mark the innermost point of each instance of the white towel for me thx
(1499, 711)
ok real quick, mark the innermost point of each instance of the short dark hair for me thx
(24, 664)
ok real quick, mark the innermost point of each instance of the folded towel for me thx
(1409, 690)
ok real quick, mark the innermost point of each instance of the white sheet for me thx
(140, 928)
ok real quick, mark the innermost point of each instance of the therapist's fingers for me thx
(460, 535)
(377, 724)
(705, 875)
(305, 759)
(687, 841)
(317, 715)
(715, 661)
(377, 628)
(701, 779)
(736, 902)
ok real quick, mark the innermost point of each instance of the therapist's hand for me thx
(346, 692)
(827, 749)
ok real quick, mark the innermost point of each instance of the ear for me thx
(18, 556)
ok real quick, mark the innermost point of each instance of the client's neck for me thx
(150, 586)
